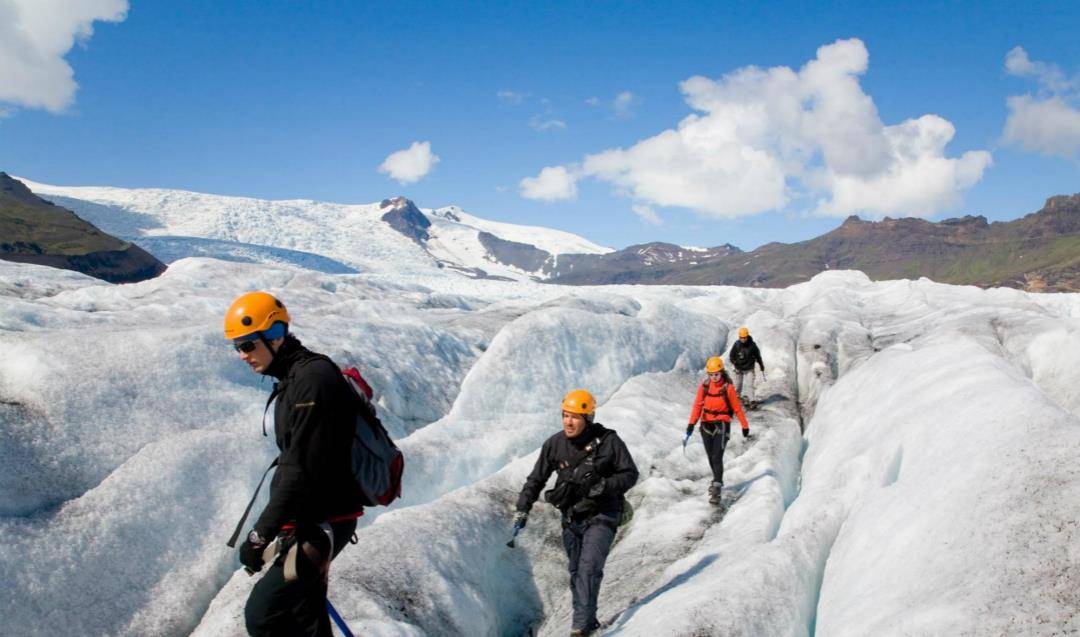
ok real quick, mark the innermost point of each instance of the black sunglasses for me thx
(246, 347)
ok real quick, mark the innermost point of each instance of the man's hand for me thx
(689, 430)
(251, 552)
(746, 433)
(520, 518)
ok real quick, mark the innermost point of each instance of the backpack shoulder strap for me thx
(723, 384)
(273, 395)
(584, 453)
(240, 525)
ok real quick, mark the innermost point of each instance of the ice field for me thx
(911, 471)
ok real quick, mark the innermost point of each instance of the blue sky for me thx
(307, 100)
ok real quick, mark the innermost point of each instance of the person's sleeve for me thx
(736, 405)
(542, 470)
(301, 463)
(625, 473)
(699, 403)
(757, 355)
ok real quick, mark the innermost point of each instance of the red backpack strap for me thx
(354, 374)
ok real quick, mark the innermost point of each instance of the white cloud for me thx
(1048, 126)
(511, 97)
(1049, 76)
(410, 165)
(647, 214)
(554, 183)
(621, 106)
(35, 35)
(623, 103)
(763, 136)
(918, 181)
(545, 123)
(1050, 122)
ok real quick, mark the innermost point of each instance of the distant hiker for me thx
(744, 355)
(714, 405)
(313, 505)
(594, 471)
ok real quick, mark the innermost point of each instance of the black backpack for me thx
(740, 355)
(377, 463)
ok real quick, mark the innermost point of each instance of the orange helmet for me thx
(714, 364)
(579, 401)
(743, 332)
(254, 312)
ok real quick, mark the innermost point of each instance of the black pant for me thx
(715, 435)
(587, 544)
(277, 608)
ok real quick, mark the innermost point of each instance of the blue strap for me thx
(338, 620)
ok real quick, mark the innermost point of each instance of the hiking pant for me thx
(587, 544)
(746, 378)
(277, 608)
(715, 435)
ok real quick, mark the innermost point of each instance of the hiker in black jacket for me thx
(313, 504)
(594, 471)
(744, 355)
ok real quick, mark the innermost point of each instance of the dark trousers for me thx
(715, 436)
(277, 608)
(587, 544)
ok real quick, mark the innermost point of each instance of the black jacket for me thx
(748, 351)
(314, 424)
(611, 460)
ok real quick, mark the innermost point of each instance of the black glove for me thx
(520, 518)
(597, 489)
(746, 433)
(690, 429)
(251, 553)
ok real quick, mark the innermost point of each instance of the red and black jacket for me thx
(716, 402)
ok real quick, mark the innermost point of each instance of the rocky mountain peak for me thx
(1063, 203)
(403, 216)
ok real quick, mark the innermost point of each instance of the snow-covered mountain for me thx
(912, 471)
(392, 235)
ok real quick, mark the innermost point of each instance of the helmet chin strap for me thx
(269, 347)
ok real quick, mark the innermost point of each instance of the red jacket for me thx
(712, 404)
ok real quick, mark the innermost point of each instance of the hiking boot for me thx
(714, 492)
(595, 625)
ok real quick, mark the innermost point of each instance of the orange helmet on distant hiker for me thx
(579, 401)
(743, 332)
(254, 312)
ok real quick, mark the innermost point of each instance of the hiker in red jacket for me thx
(714, 405)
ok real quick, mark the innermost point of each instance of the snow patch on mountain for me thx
(330, 237)
(552, 241)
